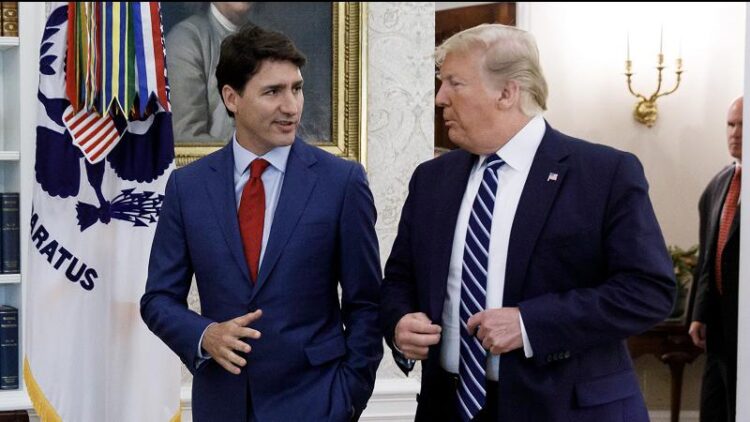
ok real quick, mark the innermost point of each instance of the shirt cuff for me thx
(405, 363)
(526, 344)
(200, 356)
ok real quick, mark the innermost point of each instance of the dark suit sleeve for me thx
(637, 288)
(360, 282)
(399, 289)
(702, 268)
(164, 306)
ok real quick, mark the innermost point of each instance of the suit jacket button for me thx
(567, 354)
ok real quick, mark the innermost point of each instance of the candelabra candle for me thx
(679, 64)
(661, 40)
(628, 47)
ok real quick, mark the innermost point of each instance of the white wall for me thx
(583, 49)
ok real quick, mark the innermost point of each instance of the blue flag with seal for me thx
(99, 184)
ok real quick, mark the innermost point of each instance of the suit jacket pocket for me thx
(607, 389)
(326, 350)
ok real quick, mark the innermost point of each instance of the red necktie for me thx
(251, 214)
(727, 216)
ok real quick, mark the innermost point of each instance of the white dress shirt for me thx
(223, 21)
(518, 155)
(273, 179)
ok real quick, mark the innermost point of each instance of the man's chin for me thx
(285, 141)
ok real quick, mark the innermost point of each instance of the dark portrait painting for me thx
(193, 35)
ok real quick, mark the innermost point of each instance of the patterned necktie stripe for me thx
(472, 358)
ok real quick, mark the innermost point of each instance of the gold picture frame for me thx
(349, 90)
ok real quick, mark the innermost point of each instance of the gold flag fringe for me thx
(43, 408)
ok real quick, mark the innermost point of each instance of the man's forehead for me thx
(735, 111)
(278, 70)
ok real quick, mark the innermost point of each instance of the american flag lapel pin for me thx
(552, 177)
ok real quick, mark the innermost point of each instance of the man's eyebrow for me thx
(274, 86)
(282, 85)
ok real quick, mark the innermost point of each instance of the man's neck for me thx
(507, 131)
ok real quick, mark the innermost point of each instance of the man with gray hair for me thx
(524, 259)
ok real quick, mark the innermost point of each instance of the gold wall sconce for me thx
(645, 110)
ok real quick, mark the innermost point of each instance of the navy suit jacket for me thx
(587, 266)
(316, 358)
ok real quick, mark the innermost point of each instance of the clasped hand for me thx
(223, 340)
(498, 329)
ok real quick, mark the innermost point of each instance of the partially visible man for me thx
(270, 227)
(525, 259)
(714, 326)
(193, 48)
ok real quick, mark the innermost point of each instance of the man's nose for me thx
(441, 99)
(289, 104)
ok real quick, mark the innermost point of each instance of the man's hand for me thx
(499, 329)
(221, 340)
(697, 332)
(414, 334)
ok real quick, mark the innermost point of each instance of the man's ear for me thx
(509, 95)
(230, 97)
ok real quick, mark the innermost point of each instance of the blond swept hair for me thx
(510, 54)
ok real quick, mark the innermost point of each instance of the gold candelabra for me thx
(645, 110)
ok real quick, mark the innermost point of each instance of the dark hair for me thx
(243, 52)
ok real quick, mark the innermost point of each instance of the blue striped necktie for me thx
(471, 370)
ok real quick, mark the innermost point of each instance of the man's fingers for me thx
(416, 353)
(240, 346)
(246, 319)
(698, 341)
(474, 321)
(422, 339)
(422, 327)
(246, 332)
(234, 358)
(228, 366)
(421, 316)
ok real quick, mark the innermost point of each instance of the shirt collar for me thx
(519, 151)
(277, 157)
(226, 23)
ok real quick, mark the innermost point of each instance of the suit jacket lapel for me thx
(734, 229)
(715, 216)
(533, 208)
(450, 193)
(220, 187)
(299, 181)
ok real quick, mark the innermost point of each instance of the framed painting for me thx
(331, 35)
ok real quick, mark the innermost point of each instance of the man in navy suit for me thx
(524, 259)
(270, 227)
